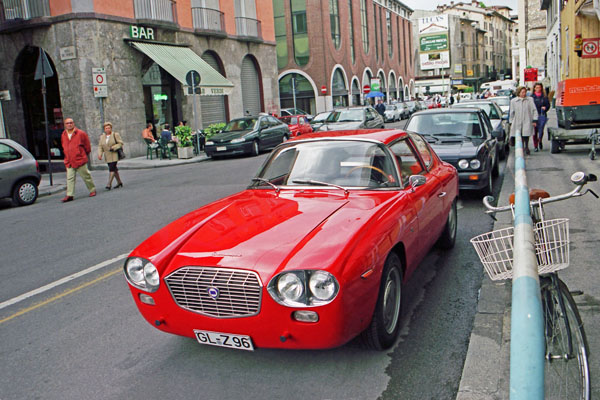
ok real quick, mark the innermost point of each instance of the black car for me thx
(499, 122)
(353, 118)
(462, 137)
(249, 135)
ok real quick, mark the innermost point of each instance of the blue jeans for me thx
(539, 130)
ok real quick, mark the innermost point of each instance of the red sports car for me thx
(298, 124)
(313, 253)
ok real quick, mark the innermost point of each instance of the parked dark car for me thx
(499, 122)
(19, 173)
(462, 137)
(353, 118)
(249, 135)
(319, 120)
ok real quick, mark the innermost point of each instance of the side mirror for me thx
(417, 180)
(496, 134)
(505, 117)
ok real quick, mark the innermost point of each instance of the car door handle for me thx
(442, 194)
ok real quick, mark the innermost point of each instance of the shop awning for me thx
(178, 61)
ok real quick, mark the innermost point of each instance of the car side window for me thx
(264, 123)
(7, 153)
(487, 125)
(408, 161)
(423, 149)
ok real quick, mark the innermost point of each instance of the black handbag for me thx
(121, 154)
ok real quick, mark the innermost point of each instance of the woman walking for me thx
(542, 105)
(110, 142)
(522, 117)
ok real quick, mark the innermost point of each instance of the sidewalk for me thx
(486, 373)
(59, 179)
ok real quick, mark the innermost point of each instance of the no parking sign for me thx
(591, 48)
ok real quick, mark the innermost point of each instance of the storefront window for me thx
(334, 21)
(300, 32)
(280, 33)
(159, 94)
(339, 90)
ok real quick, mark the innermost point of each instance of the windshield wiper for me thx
(347, 120)
(267, 182)
(319, 183)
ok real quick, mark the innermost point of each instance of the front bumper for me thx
(473, 180)
(228, 149)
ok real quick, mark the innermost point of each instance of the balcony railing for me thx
(248, 27)
(24, 9)
(160, 10)
(208, 19)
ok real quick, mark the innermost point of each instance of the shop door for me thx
(160, 97)
(250, 88)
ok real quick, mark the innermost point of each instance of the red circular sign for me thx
(99, 79)
(366, 89)
(323, 89)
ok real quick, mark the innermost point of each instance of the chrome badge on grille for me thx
(213, 292)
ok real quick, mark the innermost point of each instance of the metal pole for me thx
(527, 323)
(46, 124)
(195, 119)
(101, 113)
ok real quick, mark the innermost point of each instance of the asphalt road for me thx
(85, 338)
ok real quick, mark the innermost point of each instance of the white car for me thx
(503, 102)
(392, 113)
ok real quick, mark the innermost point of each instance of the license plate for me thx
(221, 148)
(240, 342)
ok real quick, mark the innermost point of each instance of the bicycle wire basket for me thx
(495, 248)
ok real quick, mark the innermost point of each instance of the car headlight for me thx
(142, 274)
(303, 288)
(209, 143)
(475, 164)
(238, 140)
(463, 164)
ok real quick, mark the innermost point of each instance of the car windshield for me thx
(321, 117)
(446, 124)
(346, 163)
(501, 101)
(242, 124)
(350, 115)
(489, 109)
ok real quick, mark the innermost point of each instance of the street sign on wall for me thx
(375, 85)
(99, 82)
(591, 48)
(433, 42)
(531, 74)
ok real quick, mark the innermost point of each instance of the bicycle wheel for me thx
(566, 371)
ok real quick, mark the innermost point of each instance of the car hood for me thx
(227, 136)
(266, 232)
(340, 126)
(450, 150)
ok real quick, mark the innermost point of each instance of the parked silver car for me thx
(353, 118)
(19, 173)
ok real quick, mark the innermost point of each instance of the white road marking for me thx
(62, 281)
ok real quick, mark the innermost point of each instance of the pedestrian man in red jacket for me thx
(76, 146)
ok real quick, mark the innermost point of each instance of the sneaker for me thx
(536, 149)
(93, 194)
(67, 198)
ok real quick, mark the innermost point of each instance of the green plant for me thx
(213, 129)
(184, 135)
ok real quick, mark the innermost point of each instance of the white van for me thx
(494, 86)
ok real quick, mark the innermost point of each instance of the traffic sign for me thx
(531, 74)
(100, 91)
(99, 77)
(366, 89)
(323, 89)
(193, 78)
(43, 67)
(591, 48)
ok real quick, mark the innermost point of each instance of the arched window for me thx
(280, 33)
(305, 95)
(364, 25)
(339, 90)
(388, 23)
(351, 26)
(334, 21)
(300, 32)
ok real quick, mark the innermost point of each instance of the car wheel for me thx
(489, 188)
(448, 238)
(25, 193)
(496, 169)
(554, 146)
(255, 149)
(383, 330)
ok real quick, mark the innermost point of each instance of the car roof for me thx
(384, 136)
(451, 110)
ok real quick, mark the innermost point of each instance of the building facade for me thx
(145, 48)
(497, 26)
(532, 38)
(553, 50)
(328, 50)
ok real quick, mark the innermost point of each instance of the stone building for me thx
(466, 67)
(145, 48)
(532, 38)
(497, 40)
(329, 50)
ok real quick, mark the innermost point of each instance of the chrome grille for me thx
(239, 291)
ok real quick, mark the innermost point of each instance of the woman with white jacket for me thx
(522, 117)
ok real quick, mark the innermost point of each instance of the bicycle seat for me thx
(534, 194)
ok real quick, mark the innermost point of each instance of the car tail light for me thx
(37, 166)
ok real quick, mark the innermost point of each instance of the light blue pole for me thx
(527, 327)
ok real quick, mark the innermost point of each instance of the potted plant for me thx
(185, 147)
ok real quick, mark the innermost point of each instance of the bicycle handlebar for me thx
(578, 178)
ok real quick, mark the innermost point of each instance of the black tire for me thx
(25, 192)
(448, 237)
(592, 155)
(567, 375)
(503, 152)
(383, 330)
(496, 169)
(489, 187)
(255, 149)
(554, 146)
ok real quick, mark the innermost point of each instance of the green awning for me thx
(178, 61)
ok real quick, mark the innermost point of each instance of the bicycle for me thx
(566, 371)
